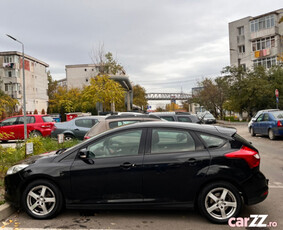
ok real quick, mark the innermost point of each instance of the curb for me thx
(5, 211)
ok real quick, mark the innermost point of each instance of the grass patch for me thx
(10, 156)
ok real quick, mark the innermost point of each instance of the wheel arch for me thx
(217, 180)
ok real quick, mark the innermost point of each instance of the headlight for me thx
(16, 168)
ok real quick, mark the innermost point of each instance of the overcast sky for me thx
(164, 45)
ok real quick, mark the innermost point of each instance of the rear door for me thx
(175, 164)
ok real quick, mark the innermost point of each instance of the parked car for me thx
(177, 116)
(144, 165)
(37, 125)
(115, 121)
(75, 128)
(269, 123)
(206, 118)
(257, 115)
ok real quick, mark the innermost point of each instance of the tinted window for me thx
(212, 141)
(184, 119)
(9, 121)
(115, 124)
(168, 118)
(165, 141)
(121, 144)
(266, 117)
(87, 123)
(47, 119)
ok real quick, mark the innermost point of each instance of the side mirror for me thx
(253, 119)
(83, 154)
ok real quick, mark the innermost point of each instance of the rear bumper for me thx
(278, 131)
(255, 189)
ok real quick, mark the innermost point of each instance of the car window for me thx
(9, 121)
(184, 119)
(86, 123)
(30, 119)
(278, 114)
(168, 118)
(260, 118)
(47, 119)
(115, 124)
(266, 117)
(168, 141)
(212, 141)
(120, 144)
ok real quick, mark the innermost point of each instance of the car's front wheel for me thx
(42, 199)
(252, 132)
(219, 201)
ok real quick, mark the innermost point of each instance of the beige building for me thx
(11, 80)
(256, 40)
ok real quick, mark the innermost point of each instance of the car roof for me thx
(216, 130)
(90, 117)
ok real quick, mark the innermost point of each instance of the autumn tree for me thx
(139, 96)
(104, 90)
(7, 104)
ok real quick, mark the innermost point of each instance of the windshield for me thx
(209, 115)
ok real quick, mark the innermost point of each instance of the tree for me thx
(104, 90)
(139, 98)
(7, 104)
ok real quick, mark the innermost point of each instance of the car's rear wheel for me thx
(68, 137)
(219, 201)
(35, 133)
(271, 134)
(42, 199)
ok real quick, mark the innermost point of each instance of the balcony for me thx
(264, 33)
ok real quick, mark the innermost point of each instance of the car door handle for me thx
(192, 161)
(127, 165)
(76, 129)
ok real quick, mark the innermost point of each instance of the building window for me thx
(241, 49)
(240, 30)
(262, 23)
(264, 43)
(9, 73)
(8, 59)
(266, 62)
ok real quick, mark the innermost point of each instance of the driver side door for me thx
(112, 172)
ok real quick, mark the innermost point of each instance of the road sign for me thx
(277, 93)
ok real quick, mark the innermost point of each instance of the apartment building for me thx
(11, 80)
(256, 40)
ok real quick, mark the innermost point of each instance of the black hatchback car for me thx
(144, 165)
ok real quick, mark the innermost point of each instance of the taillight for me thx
(86, 137)
(249, 155)
(279, 124)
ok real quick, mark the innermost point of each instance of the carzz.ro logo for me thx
(252, 221)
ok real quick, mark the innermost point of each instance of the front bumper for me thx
(12, 189)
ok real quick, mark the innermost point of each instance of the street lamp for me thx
(24, 84)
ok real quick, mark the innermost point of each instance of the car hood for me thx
(45, 157)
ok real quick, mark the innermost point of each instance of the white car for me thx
(257, 115)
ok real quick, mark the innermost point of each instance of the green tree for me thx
(139, 98)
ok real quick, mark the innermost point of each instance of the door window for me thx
(86, 123)
(260, 118)
(167, 118)
(10, 121)
(184, 119)
(30, 119)
(125, 143)
(168, 141)
(266, 117)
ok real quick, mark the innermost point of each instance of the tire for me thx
(35, 133)
(42, 199)
(252, 132)
(4, 141)
(68, 137)
(271, 134)
(219, 201)
(250, 128)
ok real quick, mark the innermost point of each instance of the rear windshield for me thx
(278, 114)
(194, 118)
(47, 119)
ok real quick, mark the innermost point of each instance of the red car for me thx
(12, 128)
